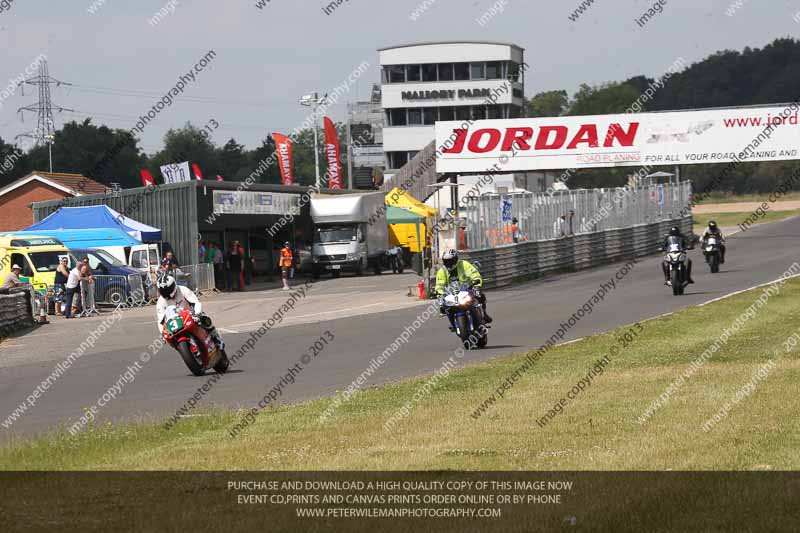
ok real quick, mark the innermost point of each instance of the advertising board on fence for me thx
(671, 138)
(255, 203)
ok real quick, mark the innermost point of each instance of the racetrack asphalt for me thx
(525, 316)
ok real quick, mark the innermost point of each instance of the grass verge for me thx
(732, 220)
(598, 430)
(725, 198)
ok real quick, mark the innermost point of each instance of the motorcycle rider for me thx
(676, 237)
(170, 293)
(714, 230)
(455, 269)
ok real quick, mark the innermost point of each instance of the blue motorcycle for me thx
(466, 317)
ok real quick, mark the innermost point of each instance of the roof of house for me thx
(72, 184)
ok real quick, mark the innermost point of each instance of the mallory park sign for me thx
(446, 94)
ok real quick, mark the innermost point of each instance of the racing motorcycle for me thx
(711, 251)
(678, 275)
(197, 347)
(466, 317)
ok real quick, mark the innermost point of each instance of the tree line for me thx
(753, 76)
(765, 75)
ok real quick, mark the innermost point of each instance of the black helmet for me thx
(167, 287)
(674, 231)
(450, 259)
(712, 224)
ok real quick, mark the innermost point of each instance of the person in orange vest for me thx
(515, 231)
(286, 262)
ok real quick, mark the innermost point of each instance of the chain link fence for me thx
(486, 222)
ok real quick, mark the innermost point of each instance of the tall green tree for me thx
(99, 152)
(548, 104)
(232, 157)
(188, 144)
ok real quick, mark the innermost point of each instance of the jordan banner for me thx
(332, 153)
(670, 138)
(283, 147)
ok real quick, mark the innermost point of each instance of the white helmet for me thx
(167, 287)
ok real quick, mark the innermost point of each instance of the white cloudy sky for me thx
(267, 58)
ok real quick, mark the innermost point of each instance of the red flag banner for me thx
(197, 173)
(283, 147)
(219, 178)
(147, 177)
(333, 155)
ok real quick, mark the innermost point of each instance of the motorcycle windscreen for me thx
(674, 247)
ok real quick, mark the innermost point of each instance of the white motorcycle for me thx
(712, 253)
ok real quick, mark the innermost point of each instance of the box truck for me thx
(350, 234)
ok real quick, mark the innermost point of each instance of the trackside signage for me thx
(674, 138)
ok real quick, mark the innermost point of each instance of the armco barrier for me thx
(16, 312)
(501, 266)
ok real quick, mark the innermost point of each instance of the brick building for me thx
(16, 198)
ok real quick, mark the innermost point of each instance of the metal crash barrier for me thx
(116, 291)
(486, 221)
(199, 278)
(502, 266)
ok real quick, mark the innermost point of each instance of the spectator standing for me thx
(286, 263)
(218, 262)
(87, 287)
(169, 262)
(59, 287)
(514, 230)
(234, 266)
(247, 266)
(201, 252)
(572, 222)
(73, 282)
(560, 227)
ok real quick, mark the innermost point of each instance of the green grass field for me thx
(597, 431)
(725, 198)
(731, 220)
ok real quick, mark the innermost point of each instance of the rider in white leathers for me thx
(182, 298)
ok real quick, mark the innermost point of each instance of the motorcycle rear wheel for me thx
(188, 357)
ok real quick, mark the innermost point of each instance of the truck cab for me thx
(350, 233)
(339, 247)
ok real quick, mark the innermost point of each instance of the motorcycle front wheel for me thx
(188, 357)
(714, 263)
(222, 366)
(677, 284)
(463, 331)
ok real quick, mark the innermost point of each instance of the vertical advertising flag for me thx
(332, 153)
(283, 147)
(147, 177)
(197, 173)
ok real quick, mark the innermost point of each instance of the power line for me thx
(134, 93)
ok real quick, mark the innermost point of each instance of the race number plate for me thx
(174, 325)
